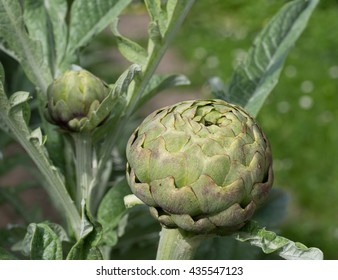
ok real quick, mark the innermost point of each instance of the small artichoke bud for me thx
(203, 166)
(73, 100)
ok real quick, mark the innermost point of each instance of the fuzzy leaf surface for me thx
(87, 19)
(27, 50)
(111, 211)
(42, 242)
(270, 242)
(254, 80)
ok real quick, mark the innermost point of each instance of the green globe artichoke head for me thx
(74, 100)
(203, 166)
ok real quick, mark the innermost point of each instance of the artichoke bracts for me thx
(74, 100)
(203, 166)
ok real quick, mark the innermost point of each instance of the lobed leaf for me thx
(20, 110)
(57, 12)
(122, 84)
(38, 27)
(88, 18)
(115, 97)
(86, 248)
(128, 48)
(36, 135)
(254, 80)
(157, 14)
(45, 22)
(27, 51)
(4, 105)
(42, 242)
(270, 242)
(111, 210)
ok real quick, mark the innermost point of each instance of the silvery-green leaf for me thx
(86, 248)
(131, 50)
(45, 21)
(122, 84)
(57, 12)
(4, 105)
(157, 14)
(111, 211)
(20, 109)
(27, 51)
(36, 135)
(155, 36)
(38, 27)
(88, 18)
(7, 50)
(270, 242)
(116, 97)
(253, 81)
(18, 98)
(132, 200)
(114, 103)
(42, 243)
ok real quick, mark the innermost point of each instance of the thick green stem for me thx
(156, 56)
(176, 244)
(84, 166)
(56, 187)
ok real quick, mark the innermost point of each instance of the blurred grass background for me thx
(300, 116)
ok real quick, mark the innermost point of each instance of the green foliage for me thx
(271, 242)
(43, 241)
(46, 37)
(86, 248)
(25, 49)
(87, 19)
(253, 81)
(45, 23)
(111, 210)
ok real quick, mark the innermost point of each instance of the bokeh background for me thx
(300, 117)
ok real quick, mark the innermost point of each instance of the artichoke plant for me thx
(74, 100)
(203, 166)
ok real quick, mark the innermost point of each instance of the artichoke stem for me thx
(84, 168)
(175, 244)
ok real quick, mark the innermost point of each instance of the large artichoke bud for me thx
(74, 99)
(203, 166)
